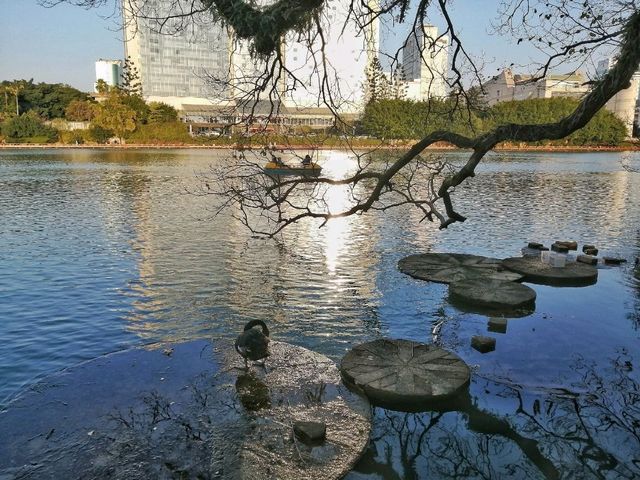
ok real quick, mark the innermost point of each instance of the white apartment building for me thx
(110, 71)
(425, 60)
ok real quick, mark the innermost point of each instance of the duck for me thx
(253, 343)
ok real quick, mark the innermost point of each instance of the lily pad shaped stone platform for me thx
(484, 295)
(535, 271)
(404, 375)
(187, 413)
(455, 267)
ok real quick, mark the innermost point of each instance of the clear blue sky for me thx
(61, 44)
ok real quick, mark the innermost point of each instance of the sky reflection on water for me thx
(105, 250)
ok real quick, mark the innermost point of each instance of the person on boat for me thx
(306, 160)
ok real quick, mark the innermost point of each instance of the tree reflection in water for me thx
(590, 431)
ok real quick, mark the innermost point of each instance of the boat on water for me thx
(308, 170)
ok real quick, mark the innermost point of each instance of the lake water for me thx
(105, 250)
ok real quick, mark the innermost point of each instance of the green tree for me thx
(161, 113)
(115, 116)
(80, 111)
(131, 83)
(135, 103)
(47, 100)
(28, 127)
(102, 87)
(377, 86)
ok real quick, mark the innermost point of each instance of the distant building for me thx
(201, 66)
(508, 86)
(110, 71)
(175, 62)
(349, 53)
(624, 103)
(425, 60)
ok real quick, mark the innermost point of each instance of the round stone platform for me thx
(455, 267)
(534, 271)
(404, 375)
(187, 412)
(492, 295)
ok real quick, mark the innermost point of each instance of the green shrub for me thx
(26, 128)
(72, 137)
(98, 134)
(169, 132)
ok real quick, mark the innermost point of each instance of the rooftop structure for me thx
(109, 71)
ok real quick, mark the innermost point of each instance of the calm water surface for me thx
(104, 250)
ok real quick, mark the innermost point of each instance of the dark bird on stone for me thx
(253, 343)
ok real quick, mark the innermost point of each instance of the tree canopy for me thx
(48, 100)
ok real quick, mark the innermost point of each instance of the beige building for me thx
(508, 86)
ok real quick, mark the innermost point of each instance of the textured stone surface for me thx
(310, 432)
(588, 259)
(614, 260)
(454, 267)
(193, 414)
(404, 375)
(570, 244)
(497, 324)
(534, 271)
(492, 294)
(483, 344)
(560, 248)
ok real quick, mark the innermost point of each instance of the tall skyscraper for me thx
(176, 61)
(425, 60)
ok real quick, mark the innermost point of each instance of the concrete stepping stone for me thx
(490, 294)
(588, 259)
(614, 260)
(483, 344)
(454, 267)
(497, 325)
(571, 275)
(191, 414)
(404, 375)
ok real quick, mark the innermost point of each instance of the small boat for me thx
(310, 170)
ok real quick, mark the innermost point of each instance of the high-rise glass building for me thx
(180, 63)
(177, 60)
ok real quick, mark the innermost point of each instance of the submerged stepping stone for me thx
(404, 375)
(454, 267)
(497, 324)
(491, 294)
(483, 344)
(196, 413)
(571, 275)
(614, 260)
